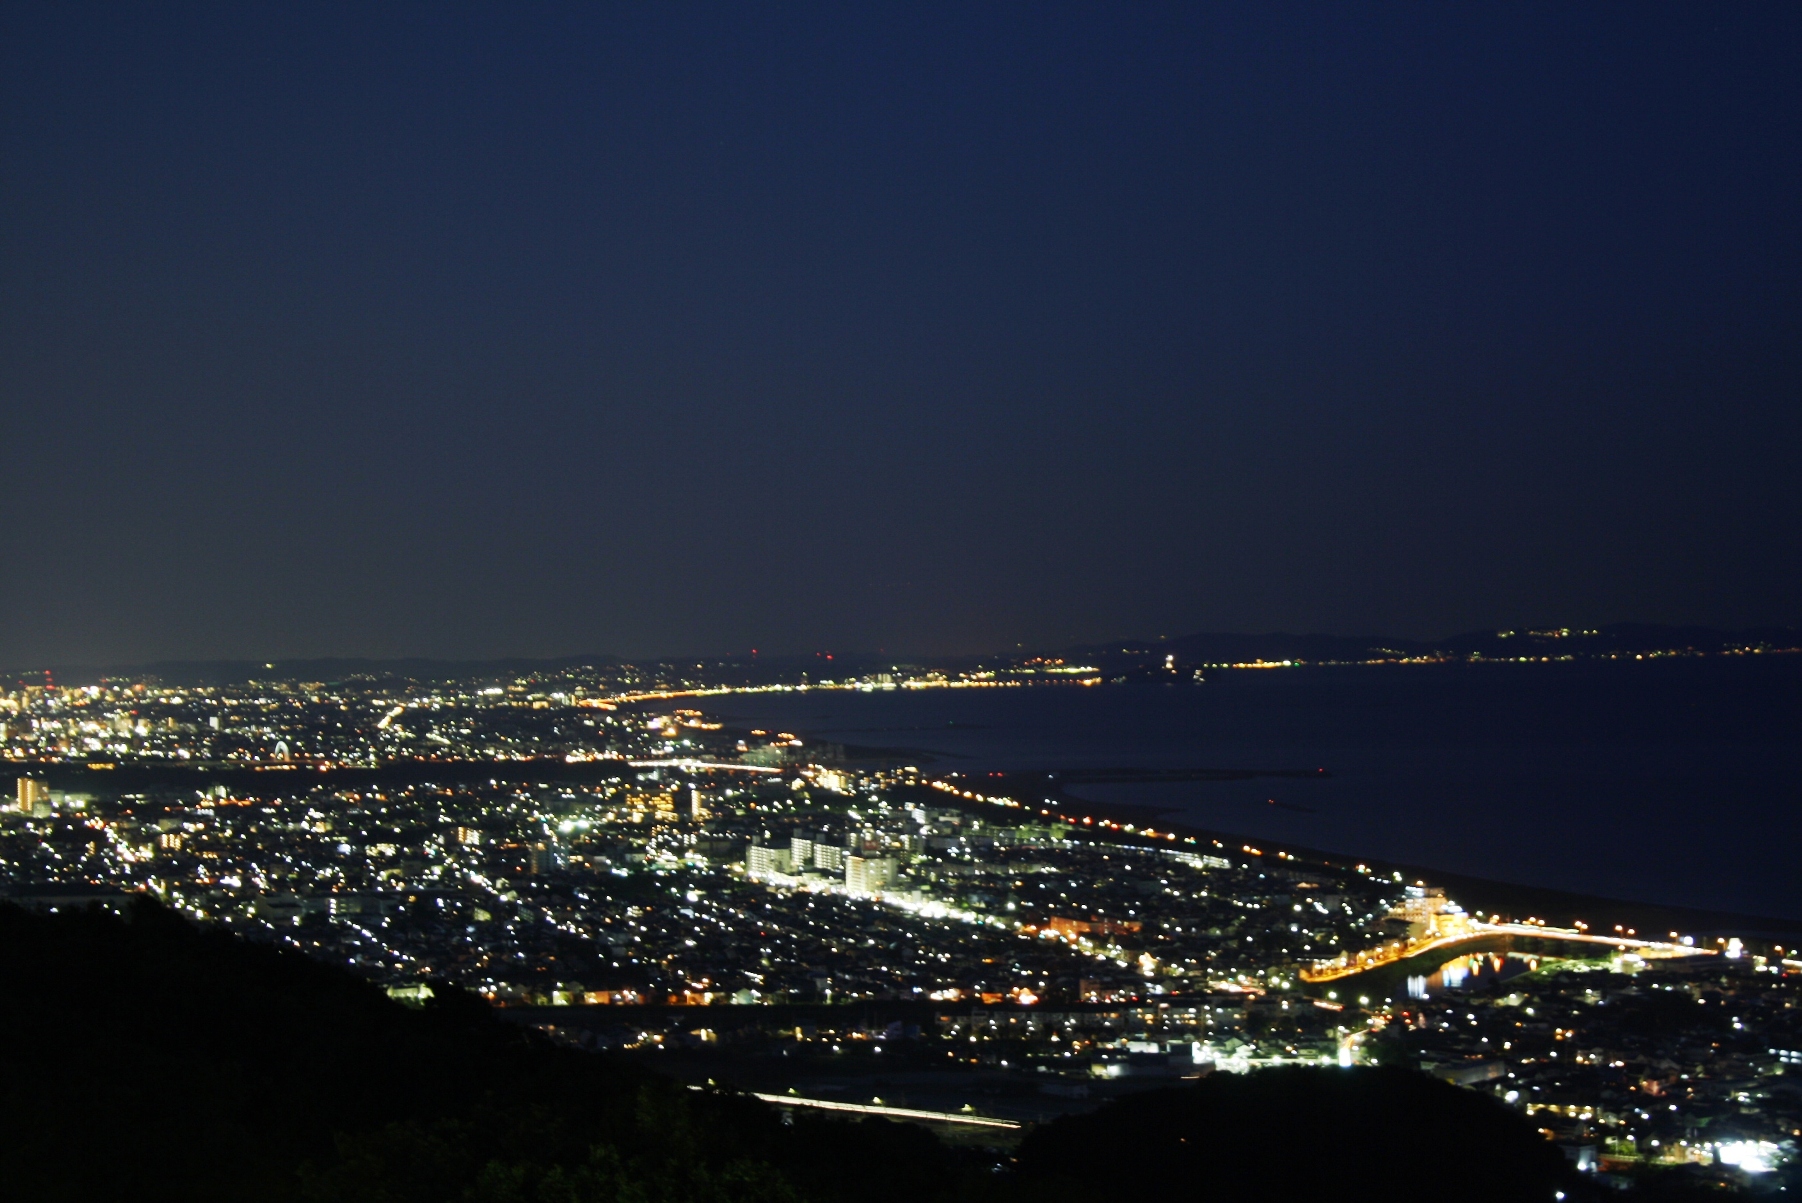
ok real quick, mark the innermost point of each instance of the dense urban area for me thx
(826, 925)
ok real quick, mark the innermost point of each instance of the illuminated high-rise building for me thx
(868, 874)
(34, 796)
(762, 860)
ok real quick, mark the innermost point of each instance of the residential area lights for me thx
(587, 844)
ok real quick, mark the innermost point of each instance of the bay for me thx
(1675, 780)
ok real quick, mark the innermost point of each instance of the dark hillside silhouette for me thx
(148, 1060)
(1341, 1134)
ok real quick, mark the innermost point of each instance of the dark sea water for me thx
(1670, 781)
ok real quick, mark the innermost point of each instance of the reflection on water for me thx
(1474, 971)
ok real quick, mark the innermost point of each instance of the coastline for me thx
(1558, 908)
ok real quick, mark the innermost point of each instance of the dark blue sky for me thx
(494, 329)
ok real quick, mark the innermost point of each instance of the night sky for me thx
(524, 329)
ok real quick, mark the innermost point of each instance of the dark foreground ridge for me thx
(150, 1060)
(1312, 1133)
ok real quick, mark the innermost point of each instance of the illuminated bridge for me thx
(1471, 931)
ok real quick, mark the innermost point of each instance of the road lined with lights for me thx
(937, 1117)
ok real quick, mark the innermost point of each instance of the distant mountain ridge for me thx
(1615, 639)
(1132, 655)
(327, 669)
